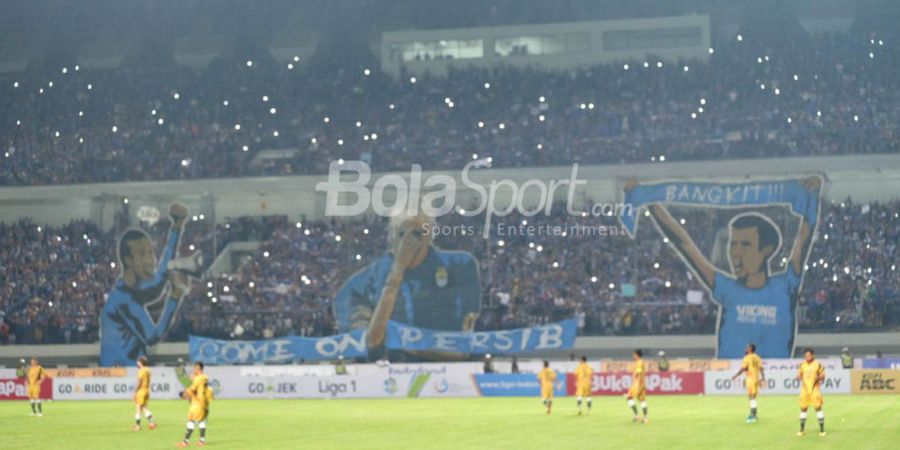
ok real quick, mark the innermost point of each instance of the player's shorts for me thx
(141, 397)
(638, 392)
(813, 399)
(197, 412)
(752, 387)
(547, 392)
(34, 392)
(583, 390)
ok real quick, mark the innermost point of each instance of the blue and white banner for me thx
(516, 385)
(757, 193)
(881, 363)
(279, 350)
(555, 336)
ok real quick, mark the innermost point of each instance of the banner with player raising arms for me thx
(731, 237)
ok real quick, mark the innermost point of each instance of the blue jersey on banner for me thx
(763, 316)
(126, 327)
(437, 294)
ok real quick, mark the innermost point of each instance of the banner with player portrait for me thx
(746, 242)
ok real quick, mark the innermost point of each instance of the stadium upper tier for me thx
(54, 280)
(832, 95)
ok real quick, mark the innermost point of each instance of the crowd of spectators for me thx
(752, 98)
(53, 280)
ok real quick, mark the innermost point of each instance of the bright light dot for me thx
(646, 64)
(290, 66)
(296, 58)
(711, 50)
(662, 158)
(74, 284)
(272, 110)
(777, 91)
(225, 289)
(502, 126)
(700, 110)
(682, 221)
(358, 124)
(115, 129)
(855, 118)
(582, 106)
(702, 101)
(90, 86)
(374, 136)
(365, 231)
(152, 112)
(542, 99)
(880, 42)
(593, 279)
(340, 142)
(541, 118)
(656, 265)
(540, 248)
(540, 146)
(160, 121)
(474, 155)
(625, 66)
(245, 148)
(251, 284)
(337, 238)
(796, 77)
(237, 127)
(265, 98)
(313, 140)
(77, 67)
(249, 63)
(740, 38)
(224, 102)
(668, 284)
(759, 60)
(306, 231)
(367, 72)
(50, 84)
(358, 257)
(176, 96)
(266, 254)
(487, 85)
(214, 300)
(687, 69)
(56, 133)
(41, 91)
(693, 115)
(590, 106)
(500, 243)
(555, 264)
(391, 106)
(871, 55)
(125, 200)
(15, 84)
(762, 87)
(366, 137)
(524, 222)
(612, 285)
(65, 70)
(81, 140)
(185, 163)
(18, 122)
(275, 133)
(412, 80)
(818, 113)
(659, 64)
(789, 120)
(326, 119)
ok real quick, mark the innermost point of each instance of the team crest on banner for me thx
(441, 277)
(747, 243)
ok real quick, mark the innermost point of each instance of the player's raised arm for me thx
(404, 256)
(685, 245)
(805, 232)
(178, 213)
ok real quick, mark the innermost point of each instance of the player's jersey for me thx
(546, 376)
(752, 364)
(810, 372)
(437, 294)
(583, 374)
(143, 379)
(197, 391)
(35, 375)
(637, 377)
(764, 316)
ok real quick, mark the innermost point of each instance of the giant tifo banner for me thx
(17, 389)
(556, 336)
(617, 383)
(735, 250)
(837, 381)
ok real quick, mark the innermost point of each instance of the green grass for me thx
(857, 422)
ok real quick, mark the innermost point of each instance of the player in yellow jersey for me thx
(752, 365)
(36, 376)
(638, 389)
(547, 377)
(811, 376)
(199, 396)
(142, 395)
(583, 375)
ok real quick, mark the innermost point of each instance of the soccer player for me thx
(36, 376)
(583, 374)
(142, 395)
(547, 377)
(638, 389)
(811, 376)
(752, 364)
(199, 396)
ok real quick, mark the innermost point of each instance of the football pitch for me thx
(857, 422)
